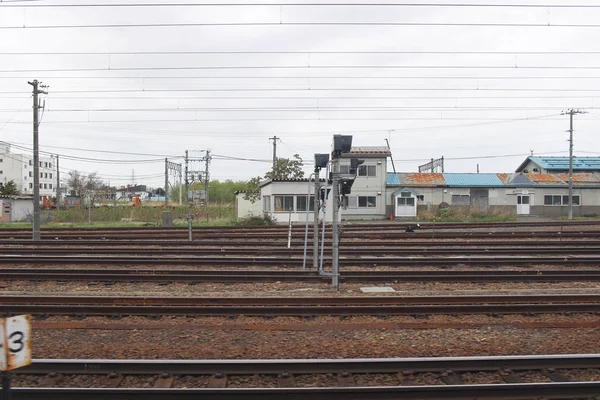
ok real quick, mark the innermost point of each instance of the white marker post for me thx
(15, 348)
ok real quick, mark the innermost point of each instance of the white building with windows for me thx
(19, 168)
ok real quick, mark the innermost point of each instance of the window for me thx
(461, 200)
(1, 160)
(267, 203)
(301, 203)
(50, 175)
(406, 201)
(41, 174)
(31, 186)
(49, 186)
(49, 165)
(41, 164)
(421, 197)
(30, 162)
(46, 165)
(283, 203)
(1, 172)
(45, 186)
(558, 200)
(367, 170)
(46, 175)
(367, 201)
(31, 173)
(41, 186)
(344, 169)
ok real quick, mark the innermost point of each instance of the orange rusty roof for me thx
(581, 177)
(545, 178)
(426, 179)
(505, 178)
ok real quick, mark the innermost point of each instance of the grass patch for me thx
(466, 214)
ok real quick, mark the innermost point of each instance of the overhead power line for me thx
(310, 67)
(281, 24)
(211, 52)
(298, 4)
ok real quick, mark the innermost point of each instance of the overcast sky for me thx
(497, 107)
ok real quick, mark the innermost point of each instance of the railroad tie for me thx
(51, 379)
(555, 376)
(164, 381)
(345, 378)
(285, 380)
(218, 380)
(406, 378)
(451, 378)
(509, 377)
(113, 380)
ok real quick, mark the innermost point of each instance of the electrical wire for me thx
(298, 4)
(310, 67)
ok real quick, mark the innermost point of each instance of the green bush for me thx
(254, 220)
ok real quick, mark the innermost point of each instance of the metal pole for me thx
(206, 183)
(316, 221)
(306, 225)
(571, 112)
(36, 162)
(335, 246)
(324, 214)
(180, 185)
(290, 232)
(6, 391)
(166, 182)
(57, 183)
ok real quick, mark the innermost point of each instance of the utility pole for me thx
(571, 112)
(166, 182)
(274, 139)
(206, 181)
(36, 158)
(187, 183)
(391, 157)
(57, 183)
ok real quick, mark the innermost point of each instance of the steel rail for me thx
(197, 276)
(458, 392)
(437, 365)
(348, 225)
(300, 306)
(313, 366)
(371, 251)
(383, 235)
(243, 261)
(300, 301)
(408, 242)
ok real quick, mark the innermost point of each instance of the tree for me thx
(284, 168)
(82, 185)
(9, 189)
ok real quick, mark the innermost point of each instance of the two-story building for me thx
(19, 168)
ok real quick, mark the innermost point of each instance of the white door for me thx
(523, 204)
(405, 207)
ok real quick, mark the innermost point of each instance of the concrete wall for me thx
(20, 209)
(245, 208)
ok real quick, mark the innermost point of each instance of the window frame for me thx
(367, 171)
(311, 203)
(365, 201)
(562, 197)
(284, 202)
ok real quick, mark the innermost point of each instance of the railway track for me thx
(295, 262)
(253, 251)
(198, 276)
(299, 306)
(347, 235)
(559, 376)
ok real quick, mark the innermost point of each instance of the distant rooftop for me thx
(562, 163)
(379, 151)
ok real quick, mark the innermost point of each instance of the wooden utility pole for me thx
(36, 158)
(571, 112)
(274, 139)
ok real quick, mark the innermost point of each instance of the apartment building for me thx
(18, 167)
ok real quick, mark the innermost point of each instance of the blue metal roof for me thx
(392, 179)
(471, 180)
(562, 163)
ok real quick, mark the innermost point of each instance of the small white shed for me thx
(405, 203)
(16, 208)
(246, 208)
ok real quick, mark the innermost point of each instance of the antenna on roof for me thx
(531, 150)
